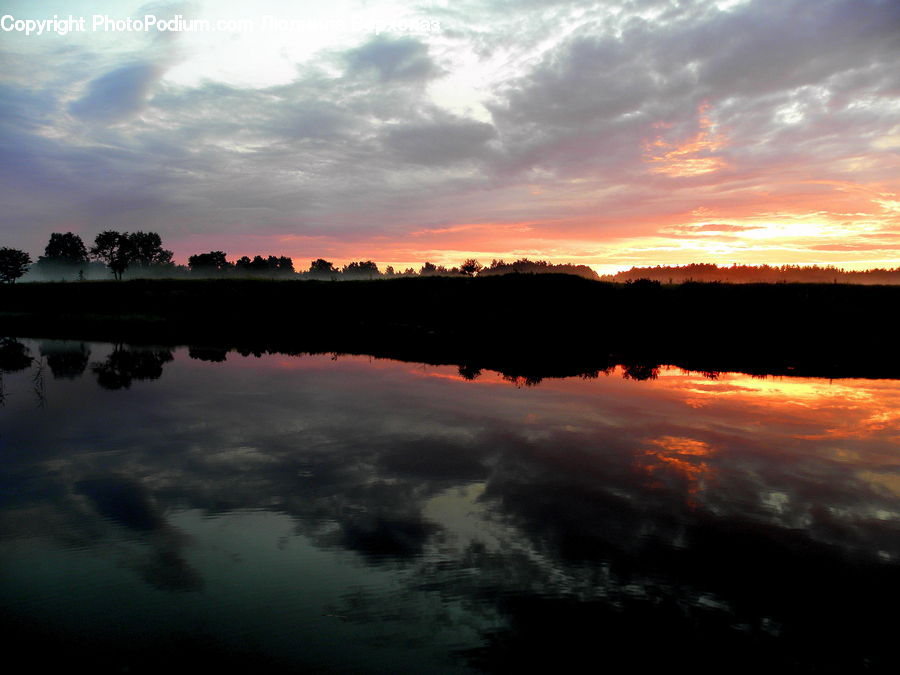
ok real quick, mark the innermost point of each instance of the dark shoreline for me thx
(529, 326)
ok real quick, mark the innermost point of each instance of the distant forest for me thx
(141, 255)
(756, 274)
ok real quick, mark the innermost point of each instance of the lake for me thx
(200, 508)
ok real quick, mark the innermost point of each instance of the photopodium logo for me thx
(104, 23)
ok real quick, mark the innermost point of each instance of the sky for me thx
(614, 134)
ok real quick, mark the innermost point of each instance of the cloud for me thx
(575, 121)
(720, 227)
(118, 94)
(440, 142)
(393, 59)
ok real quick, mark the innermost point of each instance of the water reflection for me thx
(14, 356)
(66, 360)
(123, 365)
(445, 518)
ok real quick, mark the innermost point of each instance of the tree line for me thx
(141, 254)
(759, 274)
(66, 256)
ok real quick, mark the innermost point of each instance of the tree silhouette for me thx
(67, 361)
(643, 285)
(209, 263)
(259, 264)
(468, 372)
(526, 266)
(640, 371)
(125, 365)
(116, 249)
(471, 267)
(430, 269)
(365, 268)
(148, 250)
(14, 356)
(214, 354)
(323, 267)
(761, 274)
(269, 266)
(284, 264)
(65, 248)
(63, 255)
(13, 264)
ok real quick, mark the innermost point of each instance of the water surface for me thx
(345, 514)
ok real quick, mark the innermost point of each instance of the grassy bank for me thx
(551, 324)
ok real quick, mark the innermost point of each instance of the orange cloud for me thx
(692, 157)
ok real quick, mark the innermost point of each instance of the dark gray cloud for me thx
(393, 59)
(607, 90)
(117, 94)
(437, 142)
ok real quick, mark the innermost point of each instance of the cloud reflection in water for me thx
(739, 516)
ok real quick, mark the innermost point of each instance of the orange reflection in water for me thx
(683, 456)
(682, 424)
(806, 409)
(853, 424)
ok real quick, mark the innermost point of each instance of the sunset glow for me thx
(693, 157)
(850, 425)
(682, 456)
(628, 134)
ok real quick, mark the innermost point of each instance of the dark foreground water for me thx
(175, 509)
